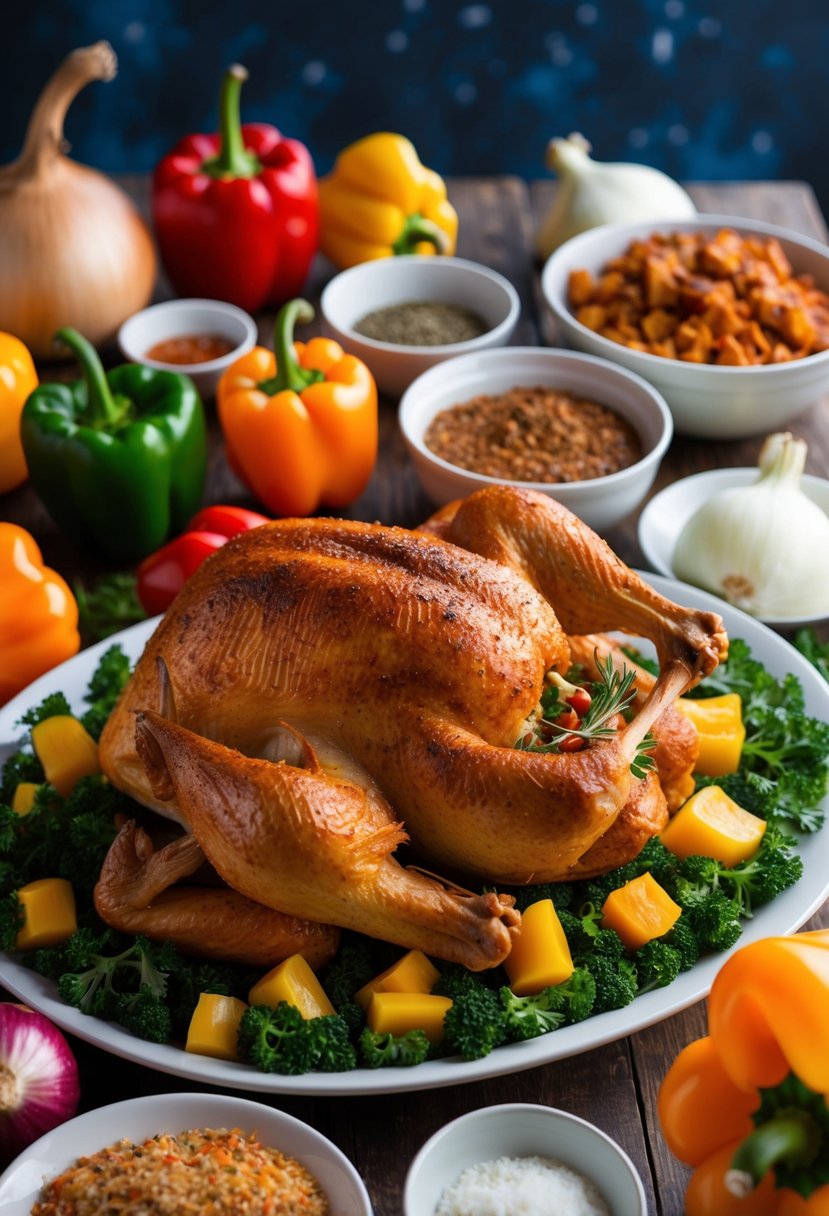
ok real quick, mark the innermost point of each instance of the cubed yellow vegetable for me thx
(540, 955)
(411, 973)
(711, 824)
(399, 1012)
(24, 796)
(292, 981)
(719, 721)
(640, 911)
(66, 751)
(49, 910)
(215, 1025)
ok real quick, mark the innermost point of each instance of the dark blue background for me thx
(703, 90)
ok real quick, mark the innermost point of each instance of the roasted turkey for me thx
(324, 690)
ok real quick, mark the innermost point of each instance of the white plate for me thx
(139, 1118)
(668, 512)
(784, 915)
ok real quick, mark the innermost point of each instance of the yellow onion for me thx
(73, 249)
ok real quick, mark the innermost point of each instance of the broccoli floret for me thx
(616, 981)
(105, 686)
(351, 968)
(188, 980)
(50, 707)
(20, 766)
(529, 1016)
(561, 893)
(683, 939)
(475, 1022)
(657, 964)
(455, 979)
(11, 920)
(384, 1050)
(715, 922)
(128, 987)
(774, 867)
(335, 1051)
(656, 860)
(277, 1039)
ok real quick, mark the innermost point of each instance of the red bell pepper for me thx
(163, 574)
(235, 213)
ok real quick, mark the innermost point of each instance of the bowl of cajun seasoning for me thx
(198, 337)
(578, 428)
(403, 315)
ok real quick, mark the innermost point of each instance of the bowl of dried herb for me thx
(403, 315)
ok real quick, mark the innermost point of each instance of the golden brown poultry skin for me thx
(406, 662)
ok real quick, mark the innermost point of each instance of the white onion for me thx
(39, 1086)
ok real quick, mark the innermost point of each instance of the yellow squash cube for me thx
(711, 824)
(640, 911)
(399, 1012)
(411, 973)
(66, 751)
(540, 956)
(24, 796)
(215, 1025)
(719, 722)
(292, 981)
(49, 910)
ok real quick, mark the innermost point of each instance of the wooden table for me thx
(613, 1086)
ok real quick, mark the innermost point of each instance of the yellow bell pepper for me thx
(640, 911)
(379, 200)
(710, 824)
(719, 723)
(540, 956)
(48, 911)
(292, 981)
(747, 1106)
(38, 613)
(411, 973)
(18, 378)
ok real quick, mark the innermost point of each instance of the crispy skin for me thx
(405, 663)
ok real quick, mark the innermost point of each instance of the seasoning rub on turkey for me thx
(322, 690)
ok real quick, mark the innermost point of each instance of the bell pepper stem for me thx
(416, 229)
(290, 377)
(233, 159)
(792, 1136)
(104, 410)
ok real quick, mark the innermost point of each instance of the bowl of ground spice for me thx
(177, 1153)
(519, 1157)
(578, 428)
(403, 315)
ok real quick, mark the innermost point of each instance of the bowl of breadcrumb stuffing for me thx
(521, 1158)
(178, 1154)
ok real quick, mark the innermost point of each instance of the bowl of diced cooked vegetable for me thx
(521, 1157)
(728, 318)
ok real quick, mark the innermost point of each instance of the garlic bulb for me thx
(590, 194)
(74, 252)
(763, 547)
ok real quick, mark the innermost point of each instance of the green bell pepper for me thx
(118, 458)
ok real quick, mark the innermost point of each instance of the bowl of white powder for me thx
(522, 1160)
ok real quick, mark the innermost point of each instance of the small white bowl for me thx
(668, 512)
(522, 1130)
(706, 400)
(180, 318)
(602, 501)
(140, 1118)
(354, 293)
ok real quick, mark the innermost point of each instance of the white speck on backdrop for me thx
(135, 31)
(678, 134)
(762, 142)
(466, 93)
(710, 27)
(397, 41)
(662, 46)
(638, 137)
(587, 14)
(674, 9)
(314, 72)
(475, 16)
(561, 56)
(414, 6)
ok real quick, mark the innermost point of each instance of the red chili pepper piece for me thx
(580, 701)
(235, 213)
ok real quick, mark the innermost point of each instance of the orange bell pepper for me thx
(300, 425)
(748, 1106)
(17, 379)
(38, 613)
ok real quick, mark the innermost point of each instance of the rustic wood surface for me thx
(614, 1086)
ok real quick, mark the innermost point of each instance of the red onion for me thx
(39, 1085)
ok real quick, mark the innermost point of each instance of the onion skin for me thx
(39, 1085)
(74, 250)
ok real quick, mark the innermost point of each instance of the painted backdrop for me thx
(701, 89)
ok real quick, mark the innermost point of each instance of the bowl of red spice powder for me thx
(575, 427)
